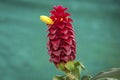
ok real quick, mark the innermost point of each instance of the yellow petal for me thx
(46, 19)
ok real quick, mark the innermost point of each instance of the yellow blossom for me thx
(46, 19)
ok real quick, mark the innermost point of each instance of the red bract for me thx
(61, 44)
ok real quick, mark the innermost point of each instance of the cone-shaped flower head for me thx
(61, 44)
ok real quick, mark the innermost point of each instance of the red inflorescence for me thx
(61, 44)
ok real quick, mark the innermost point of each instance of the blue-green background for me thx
(23, 53)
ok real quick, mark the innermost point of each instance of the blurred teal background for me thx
(23, 53)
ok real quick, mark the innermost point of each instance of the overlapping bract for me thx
(61, 44)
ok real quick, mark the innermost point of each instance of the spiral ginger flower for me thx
(61, 38)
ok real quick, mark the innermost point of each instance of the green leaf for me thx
(82, 66)
(76, 73)
(61, 66)
(70, 66)
(79, 65)
(58, 78)
(112, 74)
(86, 77)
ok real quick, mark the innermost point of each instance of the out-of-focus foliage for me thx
(113, 74)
